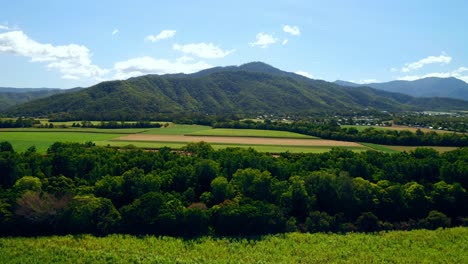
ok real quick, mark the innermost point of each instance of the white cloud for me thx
(460, 73)
(115, 31)
(285, 41)
(165, 34)
(203, 50)
(294, 30)
(367, 81)
(148, 65)
(442, 59)
(305, 74)
(185, 59)
(3, 27)
(73, 61)
(263, 40)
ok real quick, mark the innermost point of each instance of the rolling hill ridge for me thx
(14, 96)
(426, 87)
(251, 88)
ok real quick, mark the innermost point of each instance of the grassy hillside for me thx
(249, 89)
(418, 246)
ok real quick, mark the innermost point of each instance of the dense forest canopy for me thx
(81, 188)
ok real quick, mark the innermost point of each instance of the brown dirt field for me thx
(240, 140)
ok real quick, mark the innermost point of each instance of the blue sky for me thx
(66, 44)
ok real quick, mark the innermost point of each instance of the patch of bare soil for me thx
(241, 140)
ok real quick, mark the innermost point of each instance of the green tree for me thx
(6, 146)
(28, 183)
(221, 190)
(434, 220)
(89, 214)
(296, 200)
(111, 187)
(368, 222)
(253, 183)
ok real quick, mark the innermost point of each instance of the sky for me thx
(66, 44)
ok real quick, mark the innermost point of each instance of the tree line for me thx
(117, 125)
(449, 122)
(31, 122)
(329, 129)
(18, 123)
(82, 188)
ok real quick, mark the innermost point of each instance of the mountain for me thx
(251, 88)
(14, 96)
(427, 87)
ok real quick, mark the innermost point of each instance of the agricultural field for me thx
(177, 136)
(394, 149)
(260, 148)
(174, 136)
(411, 148)
(226, 132)
(42, 140)
(176, 129)
(240, 140)
(417, 246)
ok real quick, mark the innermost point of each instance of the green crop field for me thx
(42, 138)
(379, 147)
(417, 246)
(21, 141)
(260, 148)
(78, 129)
(394, 149)
(362, 128)
(226, 132)
(176, 129)
(411, 148)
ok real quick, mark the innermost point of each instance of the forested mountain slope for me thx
(13, 96)
(249, 89)
(426, 87)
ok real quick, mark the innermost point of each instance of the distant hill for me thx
(13, 96)
(427, 87)
(251, 88)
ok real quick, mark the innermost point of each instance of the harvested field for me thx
(240, 140)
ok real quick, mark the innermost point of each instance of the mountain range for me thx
(426, 87)
(251, 88)
(14, 96)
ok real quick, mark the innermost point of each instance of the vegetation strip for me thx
(418, 246)
(275, 149)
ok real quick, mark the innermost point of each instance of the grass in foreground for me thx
(227, 132)
(418, 246)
